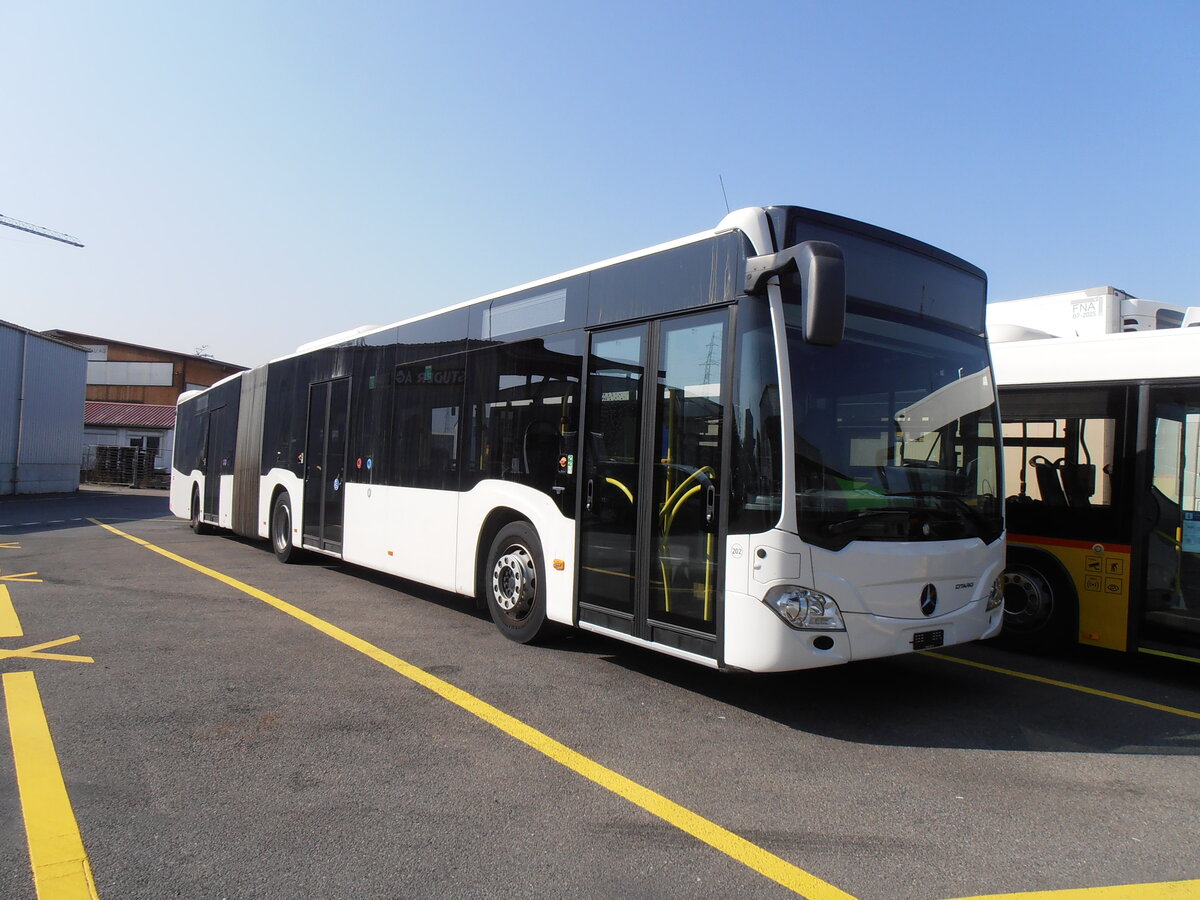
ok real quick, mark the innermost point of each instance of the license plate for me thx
(924, 640)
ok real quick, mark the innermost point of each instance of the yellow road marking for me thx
(60, 865)
(732, 845)
(1190, 659)
(1065, 684)
(21, 576)
(1163, 890)
(10, 545)
(34, 652)
(10, 625)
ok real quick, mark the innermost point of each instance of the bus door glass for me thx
(612, 448)
(652, 478)
(325, 463)
(1171, 613)
(218, 450)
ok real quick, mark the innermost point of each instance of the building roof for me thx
(138, 415)
(77, 337)
(41, 334)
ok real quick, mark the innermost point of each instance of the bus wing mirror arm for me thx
(812, 274)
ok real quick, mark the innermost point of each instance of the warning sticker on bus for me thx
(1191, 531)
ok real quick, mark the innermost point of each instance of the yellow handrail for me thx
(704, 470)
(620, 487)
(670, 509)
(670, 519)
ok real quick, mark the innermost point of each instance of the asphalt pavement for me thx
(227, 743)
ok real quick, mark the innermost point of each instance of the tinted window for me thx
(427, 403)
(523, 409)
(757, 477)
(895, 432)
(883, 272)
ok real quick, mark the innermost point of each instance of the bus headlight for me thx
(805, 608)
(996, 597)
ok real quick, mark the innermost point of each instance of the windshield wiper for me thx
(958, 503)
(862, 518)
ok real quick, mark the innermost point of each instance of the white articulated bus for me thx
(768, 446)
(1102, 447)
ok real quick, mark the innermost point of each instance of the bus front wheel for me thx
(514, 584)
(281, 530)
(1039, 608)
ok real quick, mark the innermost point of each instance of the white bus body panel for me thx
(182, 485)
(180, 502)
(882, 614)
(885, 578)
(554, 530)
(225, 502)
(1131, 356)
(294, 486)
(396, 530)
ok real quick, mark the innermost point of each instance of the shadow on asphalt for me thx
(26, 514)
(921, 700)
(916, 700)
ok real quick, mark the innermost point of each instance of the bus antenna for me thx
(723, 194)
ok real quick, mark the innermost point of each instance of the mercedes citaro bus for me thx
(764, 447)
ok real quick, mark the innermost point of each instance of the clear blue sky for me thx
(251, 176)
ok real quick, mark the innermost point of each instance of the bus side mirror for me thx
(813, 275)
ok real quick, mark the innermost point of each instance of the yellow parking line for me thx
(1163, 890)
(10, 625)
(60, 865)
(1108, 695)
(738, 848)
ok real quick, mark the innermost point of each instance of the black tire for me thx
(281, 530)
(514, 584)
(199, 526)
(1040, 609)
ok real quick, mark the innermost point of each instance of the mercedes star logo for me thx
(929, 599)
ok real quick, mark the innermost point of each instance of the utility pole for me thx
(39, 231)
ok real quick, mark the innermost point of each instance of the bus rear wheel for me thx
(281, 530)
(514, 584)
(199, 526)
(1039, 609)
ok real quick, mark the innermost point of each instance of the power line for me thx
(39, 231)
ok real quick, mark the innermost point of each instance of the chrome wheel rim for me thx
(514, 581)
(282, 531)
(1028, 602)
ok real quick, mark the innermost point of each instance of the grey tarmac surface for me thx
(220, 748)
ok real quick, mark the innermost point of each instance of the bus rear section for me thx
(769, 446)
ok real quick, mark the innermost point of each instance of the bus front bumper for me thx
(757, 640)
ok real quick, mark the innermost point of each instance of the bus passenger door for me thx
(325, 464)
(1171, 517)
(652, 471)
(217, 443)
(612, 447)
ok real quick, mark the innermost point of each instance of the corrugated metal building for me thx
(42, 385)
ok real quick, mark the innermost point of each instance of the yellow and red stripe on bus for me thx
(1100, 574)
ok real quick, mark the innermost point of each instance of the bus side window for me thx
(524, 413)
(1060, 462)
(426, 417)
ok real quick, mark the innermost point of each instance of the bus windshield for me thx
(895, 432)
